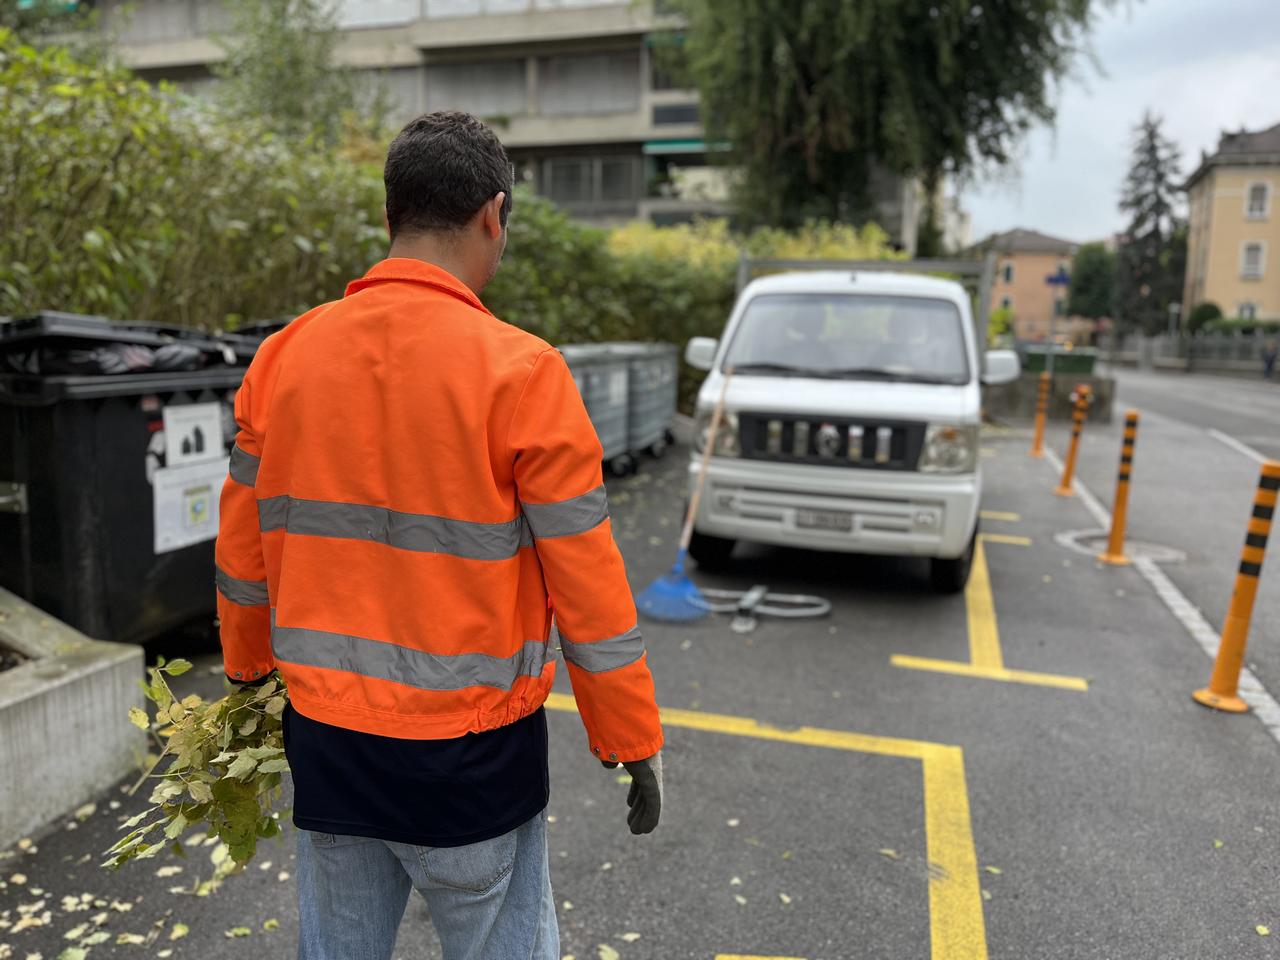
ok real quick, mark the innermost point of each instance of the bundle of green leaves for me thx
(225, 761)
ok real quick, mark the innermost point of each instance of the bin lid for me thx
(53, 343)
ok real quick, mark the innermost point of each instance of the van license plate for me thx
(825, 520)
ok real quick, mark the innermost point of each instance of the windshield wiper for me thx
(891, 376)
(774, 368)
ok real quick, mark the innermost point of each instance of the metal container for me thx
(652, 372)
(603, 378)
(109, 484)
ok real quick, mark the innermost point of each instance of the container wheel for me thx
(658, 448)
(623, 465)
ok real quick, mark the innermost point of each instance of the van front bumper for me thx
(895, 513)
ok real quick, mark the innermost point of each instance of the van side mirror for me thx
(700, 352)
(1001, 366)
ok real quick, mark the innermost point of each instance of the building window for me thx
(1248, 311)
(675, 113)
(1006, 303)
(569, 180)
(618, 179)
(1258, 199)
(487, 88)
(1252, 261)
(1008, 273)
(589, 84)
(586, 181)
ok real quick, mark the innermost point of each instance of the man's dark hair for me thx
(441, 169)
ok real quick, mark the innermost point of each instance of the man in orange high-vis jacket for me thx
(415, 494)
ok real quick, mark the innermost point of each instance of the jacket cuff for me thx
(603, 749)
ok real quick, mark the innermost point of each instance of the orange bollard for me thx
(1081, 397)
(1223, 684)
(1114, 554)
(1042, 414)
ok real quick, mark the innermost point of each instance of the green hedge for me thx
(124, 200)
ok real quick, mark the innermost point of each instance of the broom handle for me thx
(687, 534)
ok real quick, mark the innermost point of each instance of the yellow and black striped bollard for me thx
(1115, 554)
(1081, 396)
(1042, 414)
(1221, 694)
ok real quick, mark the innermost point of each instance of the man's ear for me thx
(491, 214)
(386, 223)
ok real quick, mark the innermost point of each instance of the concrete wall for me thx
(1016, 401)
(65, 734)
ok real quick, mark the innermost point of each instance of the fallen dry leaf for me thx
(890, 853)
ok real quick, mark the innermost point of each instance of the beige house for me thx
(1025, 259)
(1233, 244)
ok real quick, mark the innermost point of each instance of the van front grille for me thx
(831, 441)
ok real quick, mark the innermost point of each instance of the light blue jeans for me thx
(488, 901)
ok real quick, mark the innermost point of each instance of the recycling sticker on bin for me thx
(186, 489)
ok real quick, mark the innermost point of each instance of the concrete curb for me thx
(64, 729)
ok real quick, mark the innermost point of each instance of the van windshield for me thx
(851, 336)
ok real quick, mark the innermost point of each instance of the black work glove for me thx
(645, 796)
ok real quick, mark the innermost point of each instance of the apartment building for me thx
(573, 87)
(1233, 236)
(1025, 259)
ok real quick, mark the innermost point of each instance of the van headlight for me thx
(949, 449)
(726, 444)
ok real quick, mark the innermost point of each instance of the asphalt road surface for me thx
(1028, 779)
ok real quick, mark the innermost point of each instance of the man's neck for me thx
(447, 255)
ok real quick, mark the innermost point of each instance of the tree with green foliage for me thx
(815, 95)
(1152, 257)
(1202, 315)
(119, 201)
(1093, 275)
(280, 68)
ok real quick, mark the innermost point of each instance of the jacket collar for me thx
(406, 270)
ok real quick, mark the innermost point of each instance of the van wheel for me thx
(711, 553)
(951, 575)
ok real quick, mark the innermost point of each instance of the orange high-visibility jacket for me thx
(415, 491)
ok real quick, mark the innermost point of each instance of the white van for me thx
(851, 420)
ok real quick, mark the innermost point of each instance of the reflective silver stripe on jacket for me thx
(605, 655)
(406, 531)
(413, 668)
(244, 466)
(246, 593)
(568, 517)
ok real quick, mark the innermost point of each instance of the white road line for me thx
(1237, 446)
(1252, 692)
(1100, 513)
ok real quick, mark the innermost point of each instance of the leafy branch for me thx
(225, 762)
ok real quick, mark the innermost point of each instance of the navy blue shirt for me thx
(430, 793)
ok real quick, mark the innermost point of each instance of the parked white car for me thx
(851, 420)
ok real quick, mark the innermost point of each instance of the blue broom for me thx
(674, 598)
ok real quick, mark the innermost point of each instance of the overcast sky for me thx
(1203, 65)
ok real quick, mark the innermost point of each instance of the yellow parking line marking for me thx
(1000, 516)
(1010, 540)
(986, 661)
(956, 924)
